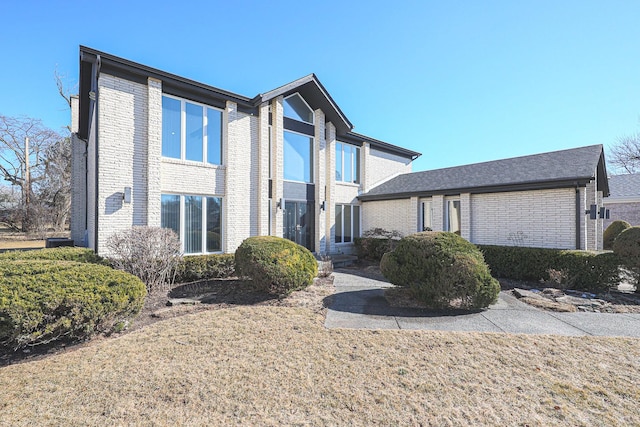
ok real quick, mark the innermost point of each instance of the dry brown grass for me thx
(279, 365)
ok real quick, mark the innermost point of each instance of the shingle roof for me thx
(546, 170)
(624, 186)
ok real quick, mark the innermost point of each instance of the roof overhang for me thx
(525, 186)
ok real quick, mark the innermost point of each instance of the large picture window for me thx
(196, 219)
(347, 223)
(298, 157)
(347, 163)
(191, 131)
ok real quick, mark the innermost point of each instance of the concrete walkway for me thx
(359, 303)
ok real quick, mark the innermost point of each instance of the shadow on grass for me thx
(221, 291)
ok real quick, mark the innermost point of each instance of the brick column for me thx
(154, 151)
(277, 173)
(438, 213)
(465, 216)
(263, 174)
(320, 176)
(330, 205)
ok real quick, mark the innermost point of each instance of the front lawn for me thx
(269, 365)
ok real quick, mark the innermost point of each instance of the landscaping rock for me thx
(523, 293)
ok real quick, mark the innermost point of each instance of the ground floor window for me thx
(196, 219)
(347, 223)
(454, 216)
(427, 216)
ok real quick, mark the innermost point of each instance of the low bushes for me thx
(43, 301)
(441, 269)
(612, 231)
(375, 243)
(581, 270)
(53, 254)
(205, 267)
(276, 265)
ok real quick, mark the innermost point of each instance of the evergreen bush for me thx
(276, 265)
(612, 231)
(442, 270)
(44, 301)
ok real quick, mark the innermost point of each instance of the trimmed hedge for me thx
(54, 254)
(373, 248)
(205, 267)
(441, 269)
(587, 271)
(613, 230)
(276, 265)
(627, 247)
(43, 301)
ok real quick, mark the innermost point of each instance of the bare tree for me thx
(24, 143)
(625, 154)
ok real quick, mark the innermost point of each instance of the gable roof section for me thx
(624, 186)
(309, 88)
(556, 169)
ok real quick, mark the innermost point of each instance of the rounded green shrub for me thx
(442, 270)
(54, 254)
(276, 265)
(627, 247)
(43, 301)
(613, 230)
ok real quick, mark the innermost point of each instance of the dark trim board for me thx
(480, 190)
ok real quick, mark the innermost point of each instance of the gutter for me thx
(578, 217)
(97, 111)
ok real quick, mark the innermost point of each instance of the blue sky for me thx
(459, 81)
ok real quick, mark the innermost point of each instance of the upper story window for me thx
(297, 108)
(191, 131)
(298, 157)
(347, 163)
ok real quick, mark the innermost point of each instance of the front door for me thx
(299, 223)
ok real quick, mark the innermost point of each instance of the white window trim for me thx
(424, 205)
(183, 226)
(205, 135)
(313, 115)
(342, 205)
(446, 212)
(355, 157)
(313, 153)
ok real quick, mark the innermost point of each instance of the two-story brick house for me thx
(152, 148)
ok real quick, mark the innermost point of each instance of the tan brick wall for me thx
(624, 211)
(381, 166)
(399, 215)
(154, 152)
(544, 218)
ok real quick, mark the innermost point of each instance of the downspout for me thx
(578, 217)
(97, 111)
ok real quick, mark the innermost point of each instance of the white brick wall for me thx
(263, 164)
(78, 189)
(543, 218)
(330, 216)
(399, 215)
(241, 178)
(320, 176)
(382, 166)
(154, 151)
(122, 146)
(181, 177)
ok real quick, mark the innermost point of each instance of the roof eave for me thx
(525, 186)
